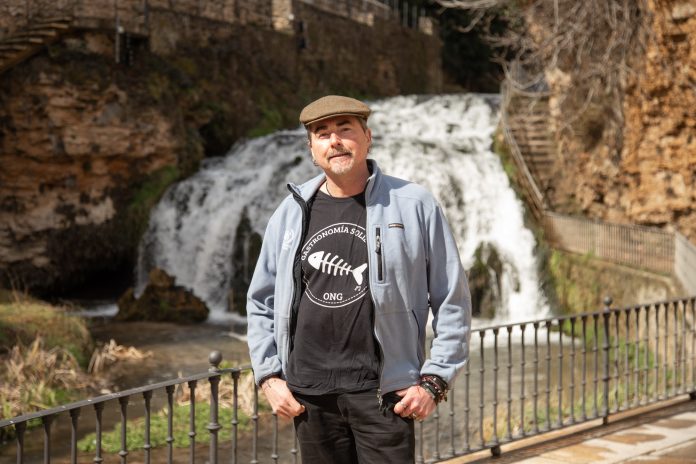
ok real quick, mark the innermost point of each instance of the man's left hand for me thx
(415, 403)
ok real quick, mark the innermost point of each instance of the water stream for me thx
(442, 142)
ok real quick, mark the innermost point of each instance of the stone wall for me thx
(134, 15)
(397, 60)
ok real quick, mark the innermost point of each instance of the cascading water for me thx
(441, 142)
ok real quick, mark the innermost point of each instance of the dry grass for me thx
(43, 356)
(245, 391)
(111, 353)
(36, 377)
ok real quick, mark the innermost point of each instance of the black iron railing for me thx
(521, 380)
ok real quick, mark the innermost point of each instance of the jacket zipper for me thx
(380, 398)
(296, 268)
(378, 250)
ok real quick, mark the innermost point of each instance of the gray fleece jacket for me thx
(413, 264)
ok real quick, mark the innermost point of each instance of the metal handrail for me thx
(522, 380)
(122, 394)
(538, 200)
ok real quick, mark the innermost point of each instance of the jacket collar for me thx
(308, 189)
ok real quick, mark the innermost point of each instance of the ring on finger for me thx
(414, 416)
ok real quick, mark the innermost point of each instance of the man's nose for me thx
(335, 139)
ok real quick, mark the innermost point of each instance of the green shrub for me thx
(111, 441)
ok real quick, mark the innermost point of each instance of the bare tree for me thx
(582, 49)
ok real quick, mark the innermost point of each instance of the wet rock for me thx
(247, 249)
(484, 281)
(162, 301)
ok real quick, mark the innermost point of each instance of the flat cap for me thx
(333, 105)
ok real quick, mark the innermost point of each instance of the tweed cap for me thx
(333, 105)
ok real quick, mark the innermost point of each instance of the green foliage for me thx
(271, 121)
(146, 197)
(502, 150)
(152, 189)
(186, 64)
(576, 287)
(111, 441)
(626, 348)
(157, 86)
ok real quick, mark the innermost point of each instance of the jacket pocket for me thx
(379, 251)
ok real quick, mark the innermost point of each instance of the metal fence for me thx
(522, 380)
(685, 262)
(647, 248)
(643, 247)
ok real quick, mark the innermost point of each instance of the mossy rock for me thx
(485, 281)
(162, 301)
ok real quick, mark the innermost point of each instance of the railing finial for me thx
(214, 358)
(607, 302)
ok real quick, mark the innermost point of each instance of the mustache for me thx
(338, 151)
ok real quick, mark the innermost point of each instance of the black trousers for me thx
(351, 428)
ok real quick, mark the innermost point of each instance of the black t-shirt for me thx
(334, 347)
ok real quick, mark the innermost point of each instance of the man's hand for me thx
(415, 403)
(280, 398)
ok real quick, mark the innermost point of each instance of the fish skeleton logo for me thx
(330, 266)
(337, 281)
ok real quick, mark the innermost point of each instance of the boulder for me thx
(484, 281)
(162, 301)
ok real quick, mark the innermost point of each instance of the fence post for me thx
(20, 428)
(215, 358)
(605, 348)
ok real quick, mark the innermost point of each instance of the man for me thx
(338, 304)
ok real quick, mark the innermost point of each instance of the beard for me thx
(344, 165)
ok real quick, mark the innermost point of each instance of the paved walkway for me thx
(664, 434)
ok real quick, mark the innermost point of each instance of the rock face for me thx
(162, 301)
(652, 179)
(72, 154)
(659, 156)
(87, 145)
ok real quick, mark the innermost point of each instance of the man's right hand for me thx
(279, 396)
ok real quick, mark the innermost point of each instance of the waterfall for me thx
(441, 142)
